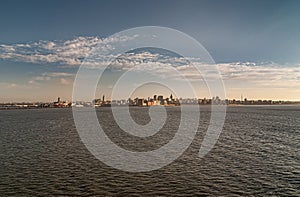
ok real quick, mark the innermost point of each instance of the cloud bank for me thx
(73, 52)
(68, 53)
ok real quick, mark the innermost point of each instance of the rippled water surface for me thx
(258, 153)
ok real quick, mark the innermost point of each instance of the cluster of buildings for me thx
(156, 100)
(259, 102)
(101, 103)
(140, 102)
(171, 101)
(218, 101)
(33, 105)
(60, 104)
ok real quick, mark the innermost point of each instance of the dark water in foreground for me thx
(258, 153)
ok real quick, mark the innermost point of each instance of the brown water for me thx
(257, 154)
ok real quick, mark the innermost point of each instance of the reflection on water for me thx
(257, 154)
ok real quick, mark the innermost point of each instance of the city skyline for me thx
(152, 97)
(254, 44)
(155, 100)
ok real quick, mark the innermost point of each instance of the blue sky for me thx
(263, 32)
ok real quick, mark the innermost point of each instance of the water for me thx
(256, 154)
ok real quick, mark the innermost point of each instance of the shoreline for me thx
(229, 105)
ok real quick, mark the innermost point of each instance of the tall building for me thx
(161, 99)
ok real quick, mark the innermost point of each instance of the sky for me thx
(254, 43)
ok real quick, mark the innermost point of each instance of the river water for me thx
(258, 153)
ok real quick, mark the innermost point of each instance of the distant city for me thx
(156, 100)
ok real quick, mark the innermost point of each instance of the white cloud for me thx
(13, 86)
(262, 74)
(64, 81)
(64, 78)
(72, 53)
(68, 53)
